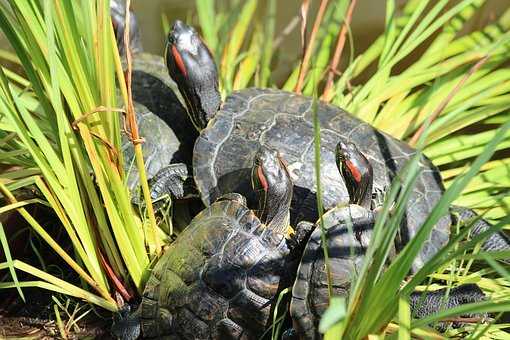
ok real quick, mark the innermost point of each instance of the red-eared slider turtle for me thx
(230, 136)
(168, 135)
(220, 278)
(348, 232)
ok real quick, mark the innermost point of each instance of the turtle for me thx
(168, 136)
(231, 133)
(498, 241)
(348, 231)
(222, 275)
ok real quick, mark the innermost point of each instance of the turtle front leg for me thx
(298, 237)
(173, 180)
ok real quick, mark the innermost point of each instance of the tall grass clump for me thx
(60, 126)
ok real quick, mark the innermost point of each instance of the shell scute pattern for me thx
(190, 326)
(250, 311)
(176, 287)
(251, 222)
(154, 150)
(288, 133)
(228, 329)
(249, 251)
(310, 291)
(224, 279)
(208, 305)
(262, 278)
(213, 282)
(183, 260)
(285, 123)
(209, 243)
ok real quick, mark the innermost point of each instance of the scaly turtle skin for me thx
(168, 135)
(348, 233)
(284, 121)
(220, 278)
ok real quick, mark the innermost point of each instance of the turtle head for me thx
(118, 15)
(191, 65)
(357, 173)
(271, 180)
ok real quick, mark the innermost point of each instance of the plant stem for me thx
(303, 68)
(327, 94)
(135, 139)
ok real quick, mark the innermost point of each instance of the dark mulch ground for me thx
(35, 319)
(30, 328)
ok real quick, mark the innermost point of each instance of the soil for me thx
(35, 319)
(30, 328)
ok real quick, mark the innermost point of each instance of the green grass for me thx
(59, 122)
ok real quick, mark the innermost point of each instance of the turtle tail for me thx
(126, 324)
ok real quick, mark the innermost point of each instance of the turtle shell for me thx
(346, 254)
(346, 251)
(162, 121)
(284, 121)
(218, 280)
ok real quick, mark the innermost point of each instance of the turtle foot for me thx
(172, 181)
(126, 324)
(429, 303)
(495, 242)
(297, 240)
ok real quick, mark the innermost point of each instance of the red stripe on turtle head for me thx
(262, 178)
(178, 61)
(353, 170)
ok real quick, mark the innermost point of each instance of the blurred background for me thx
(367, 23)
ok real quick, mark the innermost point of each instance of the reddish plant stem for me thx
(130, 112)
(115, 280)
(327, 94)
(303, 68)
(465, 320)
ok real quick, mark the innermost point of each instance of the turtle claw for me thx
(171, 181)
(300, 235)
(290, 334)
